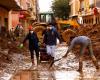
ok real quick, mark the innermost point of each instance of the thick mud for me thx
(61, 70)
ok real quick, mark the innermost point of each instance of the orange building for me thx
(13, 12)
(5, 7)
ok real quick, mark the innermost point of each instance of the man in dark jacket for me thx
(33, 44)
(50, 40)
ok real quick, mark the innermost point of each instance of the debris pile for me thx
(92, 31)
(67, 34)
(7, 49)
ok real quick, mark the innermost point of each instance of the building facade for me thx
(13, 12)
(5, 7)
(84, 9)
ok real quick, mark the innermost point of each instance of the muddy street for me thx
(36, 35)
(61, 70)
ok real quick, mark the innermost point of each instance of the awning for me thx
(24, 14)
(9, 4)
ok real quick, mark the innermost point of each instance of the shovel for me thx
(53, 61)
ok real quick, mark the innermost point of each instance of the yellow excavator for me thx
(67, 28)
(67, 24)
(64, 27)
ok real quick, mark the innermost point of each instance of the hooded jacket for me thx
(50, 37)
(33, 41)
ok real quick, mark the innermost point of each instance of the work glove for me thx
(21, 45)
(39, 44)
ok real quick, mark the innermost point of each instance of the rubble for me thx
(7, 49)
(93, 32)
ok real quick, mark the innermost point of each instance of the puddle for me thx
(65, 70)
(6, 76)
(18, 64)
(66, 75)
(54, 75)
(46, 75)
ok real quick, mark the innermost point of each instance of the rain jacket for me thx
(33, 41)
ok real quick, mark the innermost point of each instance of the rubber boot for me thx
(50, 59)
(38, 61)
(32, 61)
(95, 62)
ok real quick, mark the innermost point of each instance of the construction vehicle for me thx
(61, 25)
(67, 28)
(67, 24)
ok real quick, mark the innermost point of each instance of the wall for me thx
(74, 8)
(15, 18)
(3, 15)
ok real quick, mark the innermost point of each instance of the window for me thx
(82, 5)
(71, 9)
(91, 2)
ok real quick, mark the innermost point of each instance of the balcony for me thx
(98, 3)
(9, 4)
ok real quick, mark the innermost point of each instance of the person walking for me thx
(50, 40)
(84, 42)
(33, 44)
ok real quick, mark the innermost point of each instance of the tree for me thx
(61, 8)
